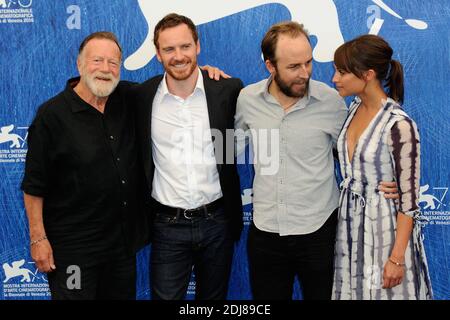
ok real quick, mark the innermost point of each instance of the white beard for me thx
(101, 88)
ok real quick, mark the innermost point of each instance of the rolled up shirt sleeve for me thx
(404, 145)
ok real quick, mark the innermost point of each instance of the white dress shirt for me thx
(186, 174)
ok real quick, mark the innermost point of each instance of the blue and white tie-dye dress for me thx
(387, 150)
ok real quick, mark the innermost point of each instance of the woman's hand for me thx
(214, 73)
(393, 273)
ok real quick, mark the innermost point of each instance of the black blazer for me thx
(221, 97)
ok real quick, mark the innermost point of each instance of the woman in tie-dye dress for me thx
(379, 250)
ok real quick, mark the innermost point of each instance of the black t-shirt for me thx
(85, 166)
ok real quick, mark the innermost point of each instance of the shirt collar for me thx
(80, 104)
(315, 91)
(164, 90)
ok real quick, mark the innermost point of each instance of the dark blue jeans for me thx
(180, 245)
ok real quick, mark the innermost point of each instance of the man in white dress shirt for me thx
(196, 194)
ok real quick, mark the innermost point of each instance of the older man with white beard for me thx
(81, 184)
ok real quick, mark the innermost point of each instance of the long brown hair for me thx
(372, 52)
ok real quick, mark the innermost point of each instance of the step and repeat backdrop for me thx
(39, 42)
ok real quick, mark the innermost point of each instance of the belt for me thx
(190, 213)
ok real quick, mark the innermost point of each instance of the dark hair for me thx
(172, 20)
(100, 35)
(269, 42)
(372, 52)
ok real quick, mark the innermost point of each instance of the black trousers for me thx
(275, 260)
(113, 279)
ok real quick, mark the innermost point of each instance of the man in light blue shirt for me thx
(294, 202)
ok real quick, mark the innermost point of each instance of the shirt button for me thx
(118, 159)
(124, 203)
(111, 137)
(123, 181)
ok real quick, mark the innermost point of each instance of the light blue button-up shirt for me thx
(296, 191)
